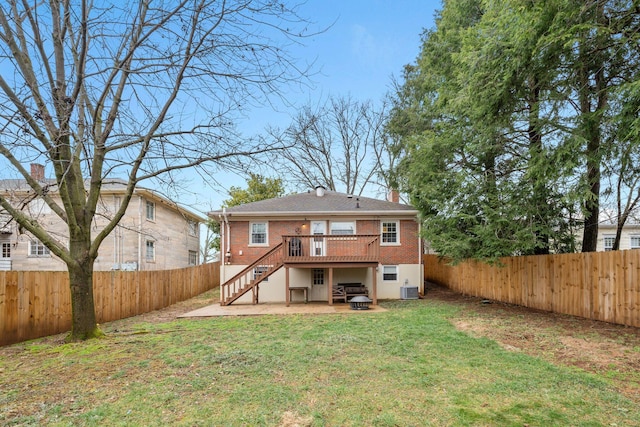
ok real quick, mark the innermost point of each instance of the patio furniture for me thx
(339, 294)
(354, 290)
(304, 289)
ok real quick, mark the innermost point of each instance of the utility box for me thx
(408, 292)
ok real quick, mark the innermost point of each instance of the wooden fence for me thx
(597, 285)
(38, 303)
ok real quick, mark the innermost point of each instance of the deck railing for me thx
(251, 276)
(331, 248)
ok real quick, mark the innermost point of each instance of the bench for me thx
(345, 291)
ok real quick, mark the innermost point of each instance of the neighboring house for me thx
(154, 234)
(328, 245)
(629, 239)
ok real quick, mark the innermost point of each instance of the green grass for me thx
(405, 367)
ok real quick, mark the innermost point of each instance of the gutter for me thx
(297, 214)
(139, 233)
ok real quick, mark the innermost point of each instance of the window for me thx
(193, 227)
(635, 242)
(608, 242)
(258, 232)
(343, 228)
(6, 250)
(151, 211)
(390, 273)
(317, 276)
(150, 250)
(36, 248)
(390, 232)
(193, 258)
(259, 271)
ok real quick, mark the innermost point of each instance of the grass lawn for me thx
(410, 366)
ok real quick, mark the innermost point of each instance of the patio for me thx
(216, 310)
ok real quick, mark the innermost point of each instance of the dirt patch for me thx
(599, 347)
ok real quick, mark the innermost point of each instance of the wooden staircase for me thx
(249, 278)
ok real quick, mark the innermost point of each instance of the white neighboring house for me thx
(154, 234)
(630, 238)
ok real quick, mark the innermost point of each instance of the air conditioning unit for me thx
(409, 292)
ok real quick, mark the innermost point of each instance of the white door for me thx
(317, 244)
(5, 256)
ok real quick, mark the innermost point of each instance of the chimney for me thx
(37, 172)
(320, 190)
(393, 196)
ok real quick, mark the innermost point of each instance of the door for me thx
(318, 243)
(5, 256)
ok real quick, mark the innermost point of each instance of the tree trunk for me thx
(539, 187)
(592, 204)
(83, 314)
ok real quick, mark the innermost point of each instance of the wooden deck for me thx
(322, 250)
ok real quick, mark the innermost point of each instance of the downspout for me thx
(139, 233)
(115, 235)
(224, 247)
(225, 238)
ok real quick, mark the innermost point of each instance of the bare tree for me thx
(340, 145)
(135, 90)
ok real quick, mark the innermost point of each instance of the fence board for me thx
(35, 303)
(598, 285)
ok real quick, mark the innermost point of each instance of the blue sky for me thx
(369, 43)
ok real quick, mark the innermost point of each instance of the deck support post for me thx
(286, 289)
(374, 285)
(330, 287)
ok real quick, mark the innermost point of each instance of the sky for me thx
(367, 43)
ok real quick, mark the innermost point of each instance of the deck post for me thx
(330, 287)
(286, 289)
(374, 285)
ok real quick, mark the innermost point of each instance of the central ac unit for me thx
(409, 292)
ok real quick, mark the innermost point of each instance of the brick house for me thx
(154, 234)
(329, 246)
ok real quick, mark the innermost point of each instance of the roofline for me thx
(296, 214)
(143, 191)
(138, 190)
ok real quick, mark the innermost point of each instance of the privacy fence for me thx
(38, 303)
(597, 285)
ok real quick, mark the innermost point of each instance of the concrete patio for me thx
(215, 310)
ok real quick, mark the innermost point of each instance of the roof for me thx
(109, 186)
(309, 203)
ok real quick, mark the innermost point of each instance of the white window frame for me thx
(193, 257)
(632, 238)
(608, 240)
(332, 228)
(150, 245)
(6, 250)
(150, 210)
(38, 249)
(397, 232)
(390, 267)
(192, 226)
(260, 269)
(317, 277)
(266, 233)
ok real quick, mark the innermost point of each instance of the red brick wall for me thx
(275, 231)
(406, 253)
